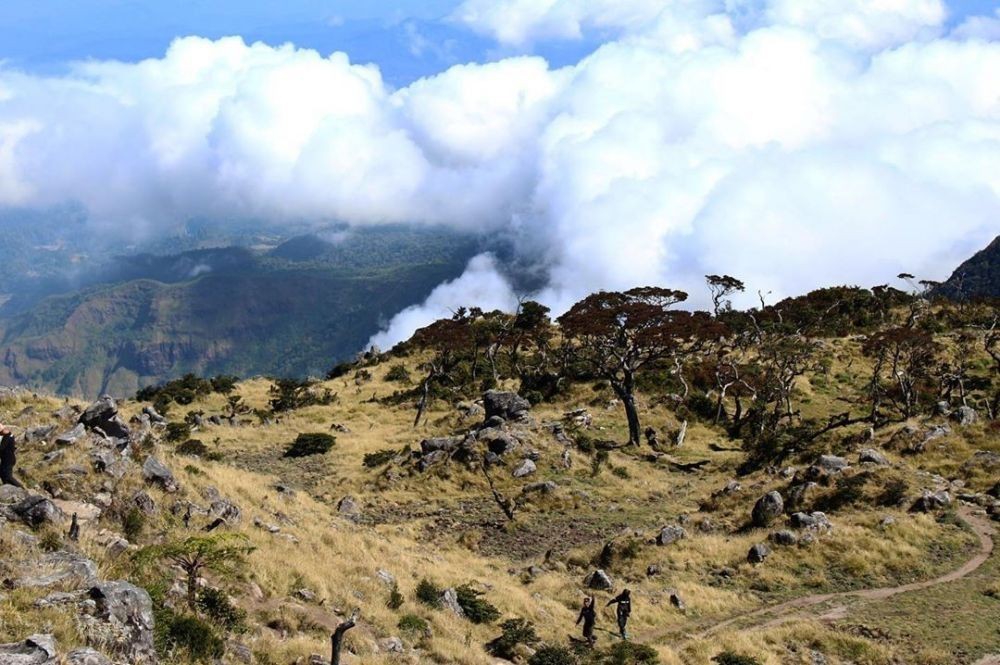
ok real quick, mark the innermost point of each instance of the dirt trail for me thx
(790, 610)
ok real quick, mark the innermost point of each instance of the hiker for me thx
(623, 611)
(588, 615)
(8, 457)
(74, 529)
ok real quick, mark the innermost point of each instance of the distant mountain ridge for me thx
(979, 277)
(290, 310)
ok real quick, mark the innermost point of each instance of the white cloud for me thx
(979, 27)
(793, 149)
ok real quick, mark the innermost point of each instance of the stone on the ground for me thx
(784, 537)
(144, 502)
(505, 405)
(154, 471)
(12, 494)
(930, 501)
(670, 534)
(36, 510)
(391, 644)
(449, 600)
(348, 505)
(525, 468)
(872, 456)
(598, 580)
(965, 416)
(103, 415)
(35, 650)
(129, 610)
(758, 553)
(676, 600)
(86, 656)
(768, 508)
(71, 436)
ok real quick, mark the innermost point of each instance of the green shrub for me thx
(50, 541)
(177, 432)
(378, 458)
(396, 599)
(413, 624)
(514, 632)
(477, 609)
(224, 383)
(193, 447)
(553, 655)
(306, 444)
(290, 394)
(732, 658)
(621, 472)
(217, 606)
(629, 653)
(399, 373)
(189, 634)
(429, 593)
(133, 524)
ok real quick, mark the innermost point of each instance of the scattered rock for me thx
(86, 656)
(35, 650)
(144, 502)
(12, 494)
(598, 580)
(103, 415)
(307, 595)
(758, 553)
(652, 570)
(768, 508)
(449, 600)
(385, 577)
(391, 645)
(525, 468)
(65, 569)
(931, 501)
(676, 600)
(348, 506)
(41, 433)
(872, 456)
(547, 487)
(154, 471)
(784, 537)
(70, 437)
(130, 611)
(815, 521)
(670, 534)
(36, 510)
(154, 417)
(965, 416)
(506, 405)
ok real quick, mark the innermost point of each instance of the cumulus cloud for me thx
(790, 146)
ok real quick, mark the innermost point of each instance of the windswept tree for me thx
(224, 554)
(902, 360)
(614, 335)
(449, 340)
(721, 287)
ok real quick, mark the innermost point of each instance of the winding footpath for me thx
(790, 610)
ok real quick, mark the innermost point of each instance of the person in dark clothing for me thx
(623, 611)
(588, 615)
(8, 457)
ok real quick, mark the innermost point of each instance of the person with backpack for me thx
(623, 611)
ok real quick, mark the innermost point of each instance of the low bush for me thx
(514, 632)
(429, 593)
(477, 609)
(307, 444)
(217, 606)
(413, 624)
(732, 658)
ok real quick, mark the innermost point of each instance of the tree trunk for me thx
(337, 639)
(192, 589)
(626, 394)
(8, 460)
(423, 400)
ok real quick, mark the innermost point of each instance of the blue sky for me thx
(406, 38)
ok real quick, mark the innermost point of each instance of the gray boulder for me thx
(144, 502)
(67, 570)
(40, 433)
(86, 656)
(35, 650)
(129, 610)
(784, 537)
(599, 580)
(103, 415)
(768, 508)
(670, 534)
(154, 417)
(154, 471)
(449, 600)
(798, 495)
(832, 463)
(348, 505)
(70, 437)
(444, 443)
(12, 494)
(506, 405)
(872, 456)
(815, 521)
(758, 553)
(36, 510)
(965, 416)
(525, 468)
(931, 501)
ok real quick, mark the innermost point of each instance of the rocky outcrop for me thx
(767, 509)
(155, 472)
(505, 405)
(129, 610)
(35, 650)
(103, 415)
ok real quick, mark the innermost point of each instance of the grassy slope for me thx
(442, 525)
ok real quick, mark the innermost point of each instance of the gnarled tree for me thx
(614, 335)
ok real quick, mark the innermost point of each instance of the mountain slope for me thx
(226, 311)
(979, 277)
